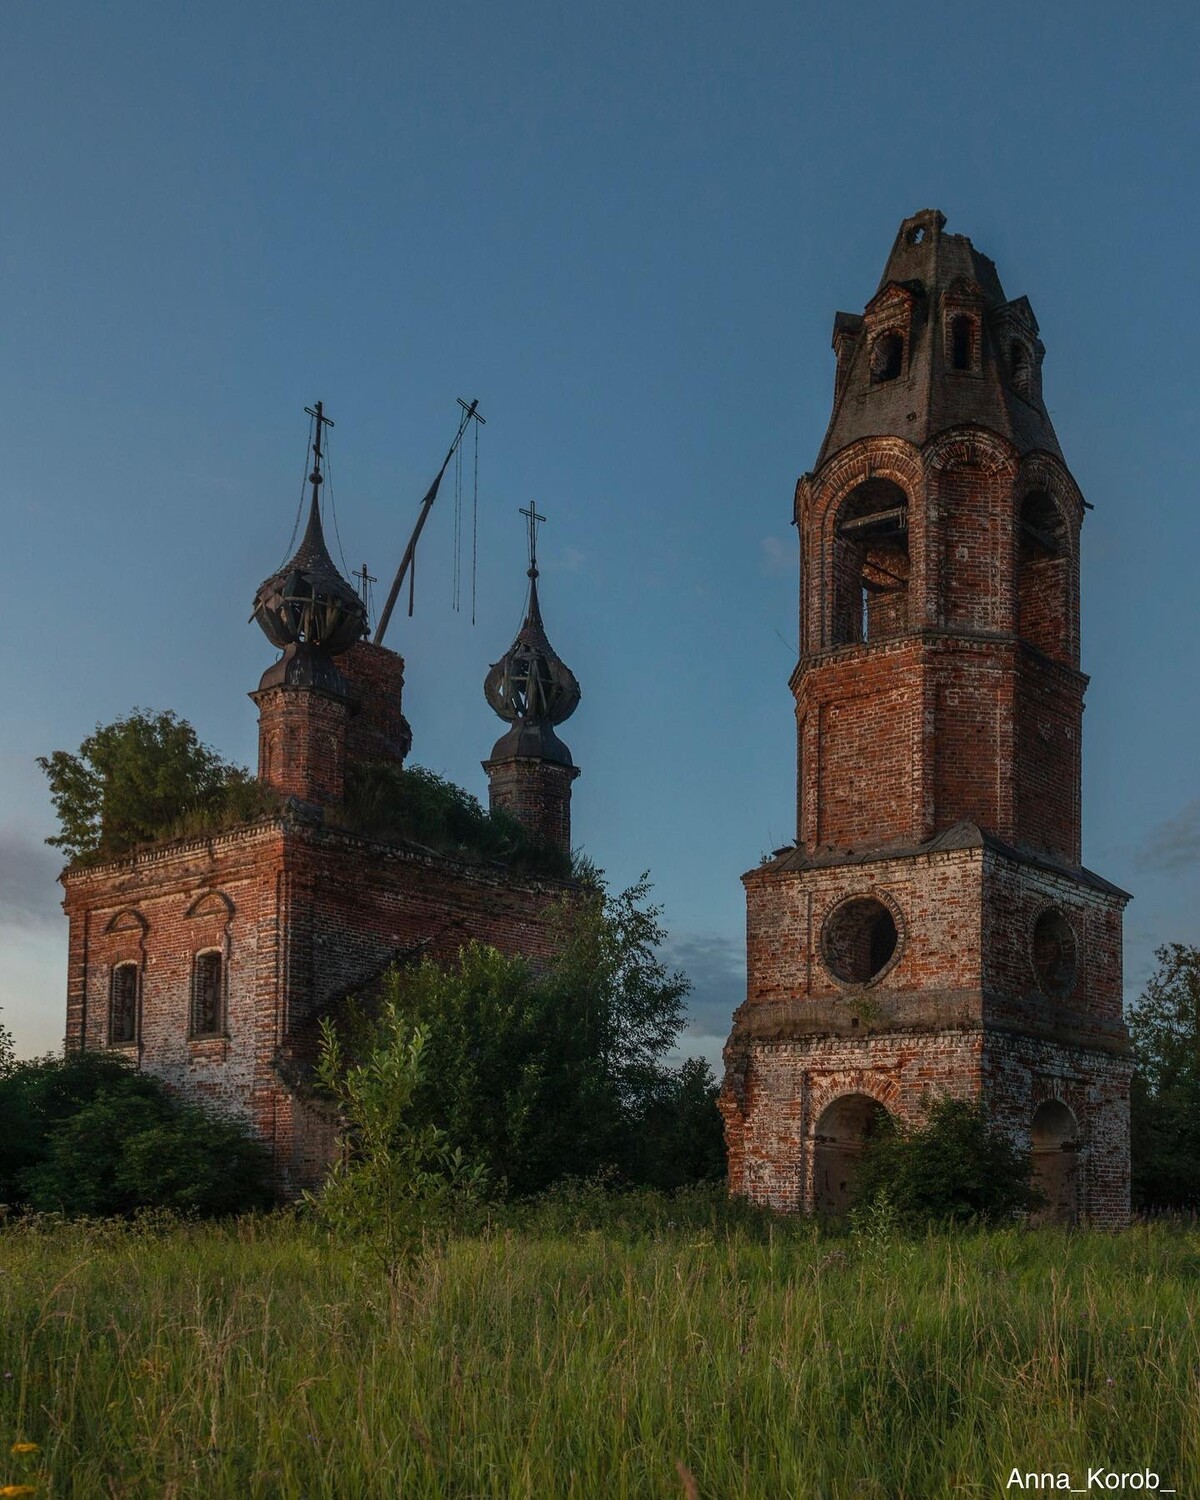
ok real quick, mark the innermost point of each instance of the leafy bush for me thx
(954, 1169)
(399, 1184)
(388, 800)
(541, 1075)
(89, 1134)
(1165, 1096)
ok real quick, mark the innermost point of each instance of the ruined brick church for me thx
(932, 930)
(209, 960)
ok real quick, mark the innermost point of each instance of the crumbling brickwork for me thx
(932, 931)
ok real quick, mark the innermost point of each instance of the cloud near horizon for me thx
(30, 895)
(1174, 844)
(716, 967)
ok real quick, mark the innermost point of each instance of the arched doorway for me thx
(842, 1131)
(1054, 1135)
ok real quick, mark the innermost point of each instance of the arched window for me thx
(207, 976)
(870, 585)
(123, 1005)
(1021, 367)
(887, 357)
(1043, 576)
(1054, 1137)
(962, 342)
(840, 1137)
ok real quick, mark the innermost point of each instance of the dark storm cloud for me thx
(717, 968)
(1174, 845)
(30, 895)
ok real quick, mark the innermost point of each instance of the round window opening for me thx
(1054, 953)
(859, 940)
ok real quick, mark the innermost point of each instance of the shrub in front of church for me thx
(90, 1135)
(955, 1169)
(540, 1076)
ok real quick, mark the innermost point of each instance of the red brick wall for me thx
(537, 793)
(301, 915)
(302, 742)
(377, 729)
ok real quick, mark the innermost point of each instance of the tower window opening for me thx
(962, 342)
(1055, 953)
(887, 357)
(1021, 368)
(1043, 576)
(122, 1005)
(206, 994)
(859, 940)
(871, 569)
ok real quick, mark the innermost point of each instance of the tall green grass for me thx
(256, 1359)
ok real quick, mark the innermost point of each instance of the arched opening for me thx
(207, 1017)
(123, 1005)
(840, 1137)
(1055, 953)
(1054, 1136)
(962, 342)
(859, 940)
(1021, 368)
(871, 570)
(887, 357)
(1043, 575)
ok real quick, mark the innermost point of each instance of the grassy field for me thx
(553, 1359)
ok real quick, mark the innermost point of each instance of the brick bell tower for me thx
(932, 930)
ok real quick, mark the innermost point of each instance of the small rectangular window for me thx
(122, 1005)
(206, 995)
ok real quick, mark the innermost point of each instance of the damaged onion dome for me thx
(308, 602)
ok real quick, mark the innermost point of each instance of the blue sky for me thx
(626, 229)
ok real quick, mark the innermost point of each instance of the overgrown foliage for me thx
(954, 1169)
(543, 1074)
(90, 1134)
(1165, 1096)
(398, 1184)
(145, 776)
(391, 801)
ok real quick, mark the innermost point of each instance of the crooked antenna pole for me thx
(470, 414)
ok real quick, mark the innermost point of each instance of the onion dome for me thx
(533, 689)
(308, 602)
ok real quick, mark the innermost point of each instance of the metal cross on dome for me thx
(533, 518)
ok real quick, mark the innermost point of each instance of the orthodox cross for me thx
(533, 518)
(365, 579)
(321, 420)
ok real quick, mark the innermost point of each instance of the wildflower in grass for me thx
(18, 1489)
(25, 1448)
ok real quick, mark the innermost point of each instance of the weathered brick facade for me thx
(209, 960)
(932, 931)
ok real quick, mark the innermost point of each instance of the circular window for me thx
(1055, 953)
(859, 940)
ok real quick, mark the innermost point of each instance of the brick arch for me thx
(212, 903)
(883, 1090)
(890, 459)
(1051, 626)
(871, 458)
(976, 447)
(128, 920)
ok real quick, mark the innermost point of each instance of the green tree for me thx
(559, 1072)
(952, 1170)
(1165, 1095)
(398, 1184)
(131, 780)
(90, 1134)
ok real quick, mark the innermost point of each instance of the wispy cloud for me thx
(29, 891)
(778, 558)
(717, 968)
(1173, 845)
